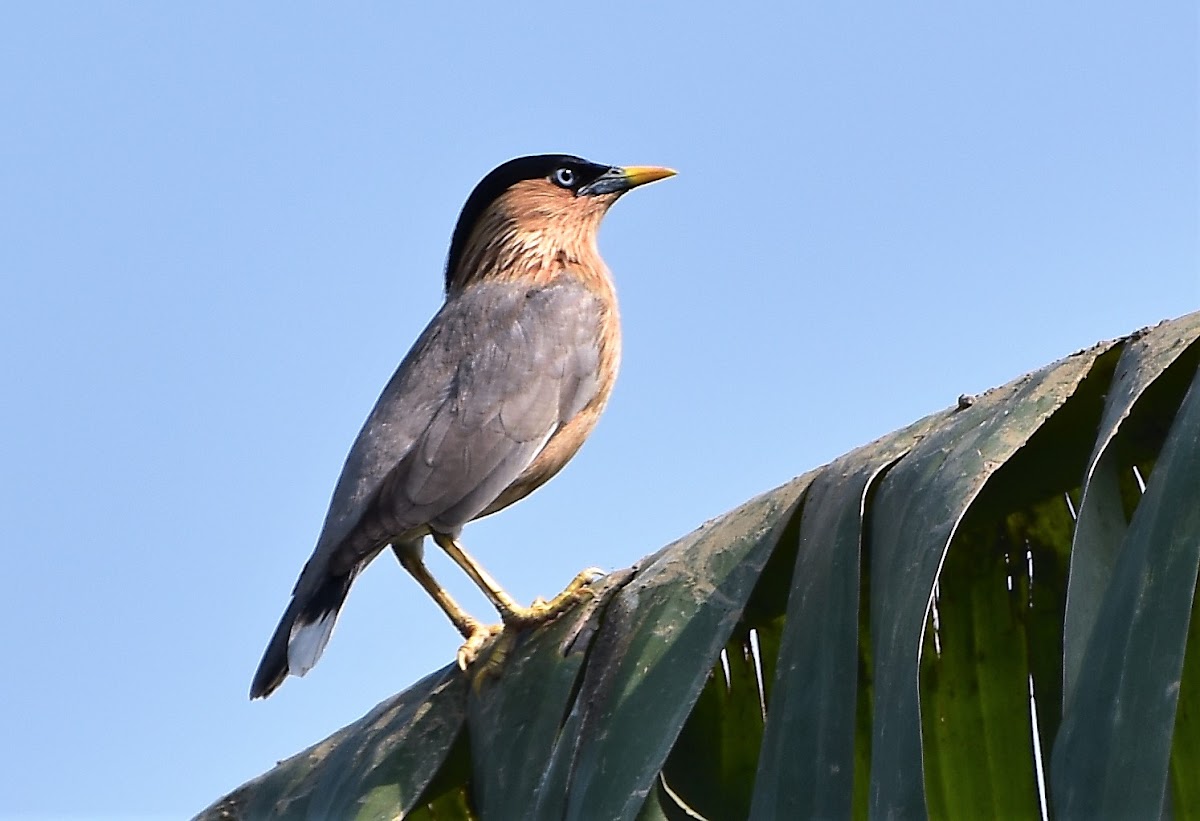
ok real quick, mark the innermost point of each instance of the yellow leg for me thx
(477, 635)
(495, 594)
(510, 611)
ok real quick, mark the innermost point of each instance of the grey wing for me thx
(495, 374)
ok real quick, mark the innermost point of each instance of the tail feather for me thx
(302, 633)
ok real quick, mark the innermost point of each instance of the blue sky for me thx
(221, 227)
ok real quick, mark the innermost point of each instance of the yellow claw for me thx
(480, 638)
(542, 611)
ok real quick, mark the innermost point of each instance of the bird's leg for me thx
(477, 634)
(490, 587)
(510, 611)
(463, 621)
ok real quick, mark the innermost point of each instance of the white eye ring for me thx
(564, 177)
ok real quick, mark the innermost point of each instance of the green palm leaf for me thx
(981, 615)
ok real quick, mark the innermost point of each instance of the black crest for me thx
(503, 177)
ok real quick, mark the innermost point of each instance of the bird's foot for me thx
(542, 611)
(482, 635)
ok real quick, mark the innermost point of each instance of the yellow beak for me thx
(636, 175)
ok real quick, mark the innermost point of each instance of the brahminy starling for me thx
(495, 397)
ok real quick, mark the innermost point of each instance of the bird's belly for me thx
(559, 449)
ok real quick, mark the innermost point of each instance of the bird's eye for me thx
(564, 177)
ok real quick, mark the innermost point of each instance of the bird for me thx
(495, 396)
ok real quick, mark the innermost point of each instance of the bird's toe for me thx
(542, 611)
(482, 636)
(585, 578)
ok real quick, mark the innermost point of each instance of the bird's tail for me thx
(302, 633)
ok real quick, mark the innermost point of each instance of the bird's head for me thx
(532, 213)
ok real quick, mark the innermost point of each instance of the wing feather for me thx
(497, 371)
